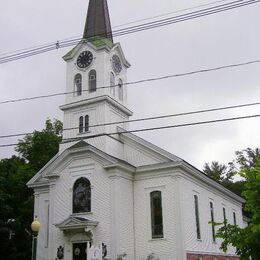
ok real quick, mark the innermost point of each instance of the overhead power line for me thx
(150, 118)
(117, 26)
(137, 81)
(150, 129)
(133, 29)
(169, 13)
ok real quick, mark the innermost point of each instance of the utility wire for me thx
(240, 2)
(166, 14)
(134, 29)
(67, 140)
(149, 118)
(234, 65)
(116, 26)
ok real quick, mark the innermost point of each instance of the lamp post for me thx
(35, 226)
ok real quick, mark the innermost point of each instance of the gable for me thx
(96, 44)
(139, 152)
(117, 47)
(79, 152)
(74, 223)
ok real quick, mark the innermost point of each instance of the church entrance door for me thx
(79, 251)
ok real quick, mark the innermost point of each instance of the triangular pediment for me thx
(81, 149)
(95, 44)
(74, 222)
(117, 47)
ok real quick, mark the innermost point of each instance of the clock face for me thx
(84, 60)
(116, 64)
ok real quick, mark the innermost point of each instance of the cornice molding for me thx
(99, 99)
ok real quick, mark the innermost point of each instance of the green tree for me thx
(16, 200)
(219, 172)
(247, 157)
(38, 148)
(16, 206)
(246, 240)
(224, 174)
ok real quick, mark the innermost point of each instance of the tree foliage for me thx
(16, 205)
(16, 200)
(246, 240)
(38, 148)
(219, 172)
(224, 174)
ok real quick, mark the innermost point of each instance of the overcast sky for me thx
(216, 40)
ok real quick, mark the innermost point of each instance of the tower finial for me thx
(98, 21)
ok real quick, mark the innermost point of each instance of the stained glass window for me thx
(156, 214)
(82, 196)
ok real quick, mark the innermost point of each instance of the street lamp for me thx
(35, 226)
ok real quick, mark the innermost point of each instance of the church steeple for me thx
(96, 81)
(98, 21)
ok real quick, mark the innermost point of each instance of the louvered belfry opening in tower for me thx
(98, 21)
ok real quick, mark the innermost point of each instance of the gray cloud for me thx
(216, 40)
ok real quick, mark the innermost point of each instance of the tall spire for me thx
(98, 21)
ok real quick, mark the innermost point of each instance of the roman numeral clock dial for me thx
(84, 59)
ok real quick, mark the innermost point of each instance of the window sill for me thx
(158, 239)
(87, 132)
(81, 213)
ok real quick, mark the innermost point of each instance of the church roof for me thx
(49, 170)
(98, 21)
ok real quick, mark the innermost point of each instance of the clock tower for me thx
(96, 77)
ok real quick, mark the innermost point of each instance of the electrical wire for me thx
(150, 118)
(189, 73)
(134, 29)
(173, 12)
(117, 26)
(67, 140)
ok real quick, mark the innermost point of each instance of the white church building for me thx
(107, 185)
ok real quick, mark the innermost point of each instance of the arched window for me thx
(82, 195)
(120, 89)
(78, 84)
(156, 214)
(212, 221)
(92, 81)
(112, 84)
(81, 124)
(197, 217)
(86, 123)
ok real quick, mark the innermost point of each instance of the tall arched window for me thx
(112, 84)
(82, 196)
(92, 81)
(81, 119)
(86, 123)
(156, 214)
(120, 89)
(83, 123)
(78, 84)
